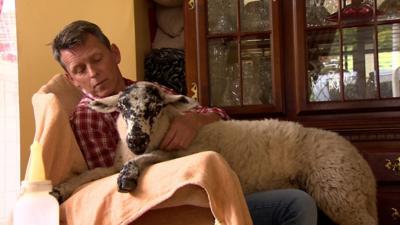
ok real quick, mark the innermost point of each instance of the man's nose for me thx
(92, 71)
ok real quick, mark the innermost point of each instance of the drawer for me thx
(384, 164)
(389, 206)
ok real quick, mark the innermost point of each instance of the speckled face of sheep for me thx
(139, 104)
(139, 108)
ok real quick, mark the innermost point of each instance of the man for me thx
(91, 63)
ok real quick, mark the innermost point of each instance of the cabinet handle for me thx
(191, 4)
(393, 166)
(395, 214)
(195, 91)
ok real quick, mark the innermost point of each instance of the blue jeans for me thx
(282, 207)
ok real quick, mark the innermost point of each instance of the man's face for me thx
(93, 67)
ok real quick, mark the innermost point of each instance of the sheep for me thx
(265, 154)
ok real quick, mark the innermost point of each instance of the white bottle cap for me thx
(36, 186)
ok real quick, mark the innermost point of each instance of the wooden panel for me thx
(389, 206)
(382, 165)
(190, 49)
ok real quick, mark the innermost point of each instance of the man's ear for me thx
(105, 105)
(116, 53)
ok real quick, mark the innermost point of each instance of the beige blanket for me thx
(191, 190)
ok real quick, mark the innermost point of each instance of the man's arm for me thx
(183, 129)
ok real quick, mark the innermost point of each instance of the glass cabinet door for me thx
(352, 50)
(237, 55)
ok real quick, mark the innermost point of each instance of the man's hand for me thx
(183, 129)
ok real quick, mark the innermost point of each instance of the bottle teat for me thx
(36, 170)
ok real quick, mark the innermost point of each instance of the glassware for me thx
(390, 10)
(221, 16)
(254, 15)
(316, 13)
(358, 59)
(218, 58)
(264, 78)
(357, 11)
(389, 60)
(324, 65)
(231, 96)
(223, 72)
(250, 83)
(256, 71)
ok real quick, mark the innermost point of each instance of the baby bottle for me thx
(35, 206)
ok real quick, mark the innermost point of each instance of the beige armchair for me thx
(198, 189)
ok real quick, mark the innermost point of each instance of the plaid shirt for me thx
(97, 134)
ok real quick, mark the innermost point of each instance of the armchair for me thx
(197, 189)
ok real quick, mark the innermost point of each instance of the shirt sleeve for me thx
(199, 108)
(204, 109)
(96, 135)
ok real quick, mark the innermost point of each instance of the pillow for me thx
(52, 105)
(170, 20)
(162, 40)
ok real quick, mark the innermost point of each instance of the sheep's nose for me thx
(138, 143)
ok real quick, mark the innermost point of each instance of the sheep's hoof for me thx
(125, 185)
(127, 179)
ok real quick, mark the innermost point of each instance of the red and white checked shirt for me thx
(96, 132)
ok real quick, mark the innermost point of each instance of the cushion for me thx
(170, 20)
(162, 40)
(52, 105)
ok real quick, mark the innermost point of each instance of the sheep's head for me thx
(140, 106)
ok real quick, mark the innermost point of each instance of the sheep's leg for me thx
(129, 175)
(64, 190)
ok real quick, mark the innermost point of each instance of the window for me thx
(9, 110)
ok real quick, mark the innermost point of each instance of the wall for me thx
(37, 23)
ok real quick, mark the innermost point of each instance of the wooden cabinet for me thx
(332, 64)
(233, 55)
(389, 206)
(384, 158)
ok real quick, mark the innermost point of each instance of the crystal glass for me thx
(324, 65)
(254, 15)
(318, 10)
(232, 94)
(389, 9)
(221, 16)
(256, 71)
(389, 60)
(223, 73)
(354, 11)
(359, 64)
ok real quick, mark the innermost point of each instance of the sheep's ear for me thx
(105, 105)
(181, 102)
